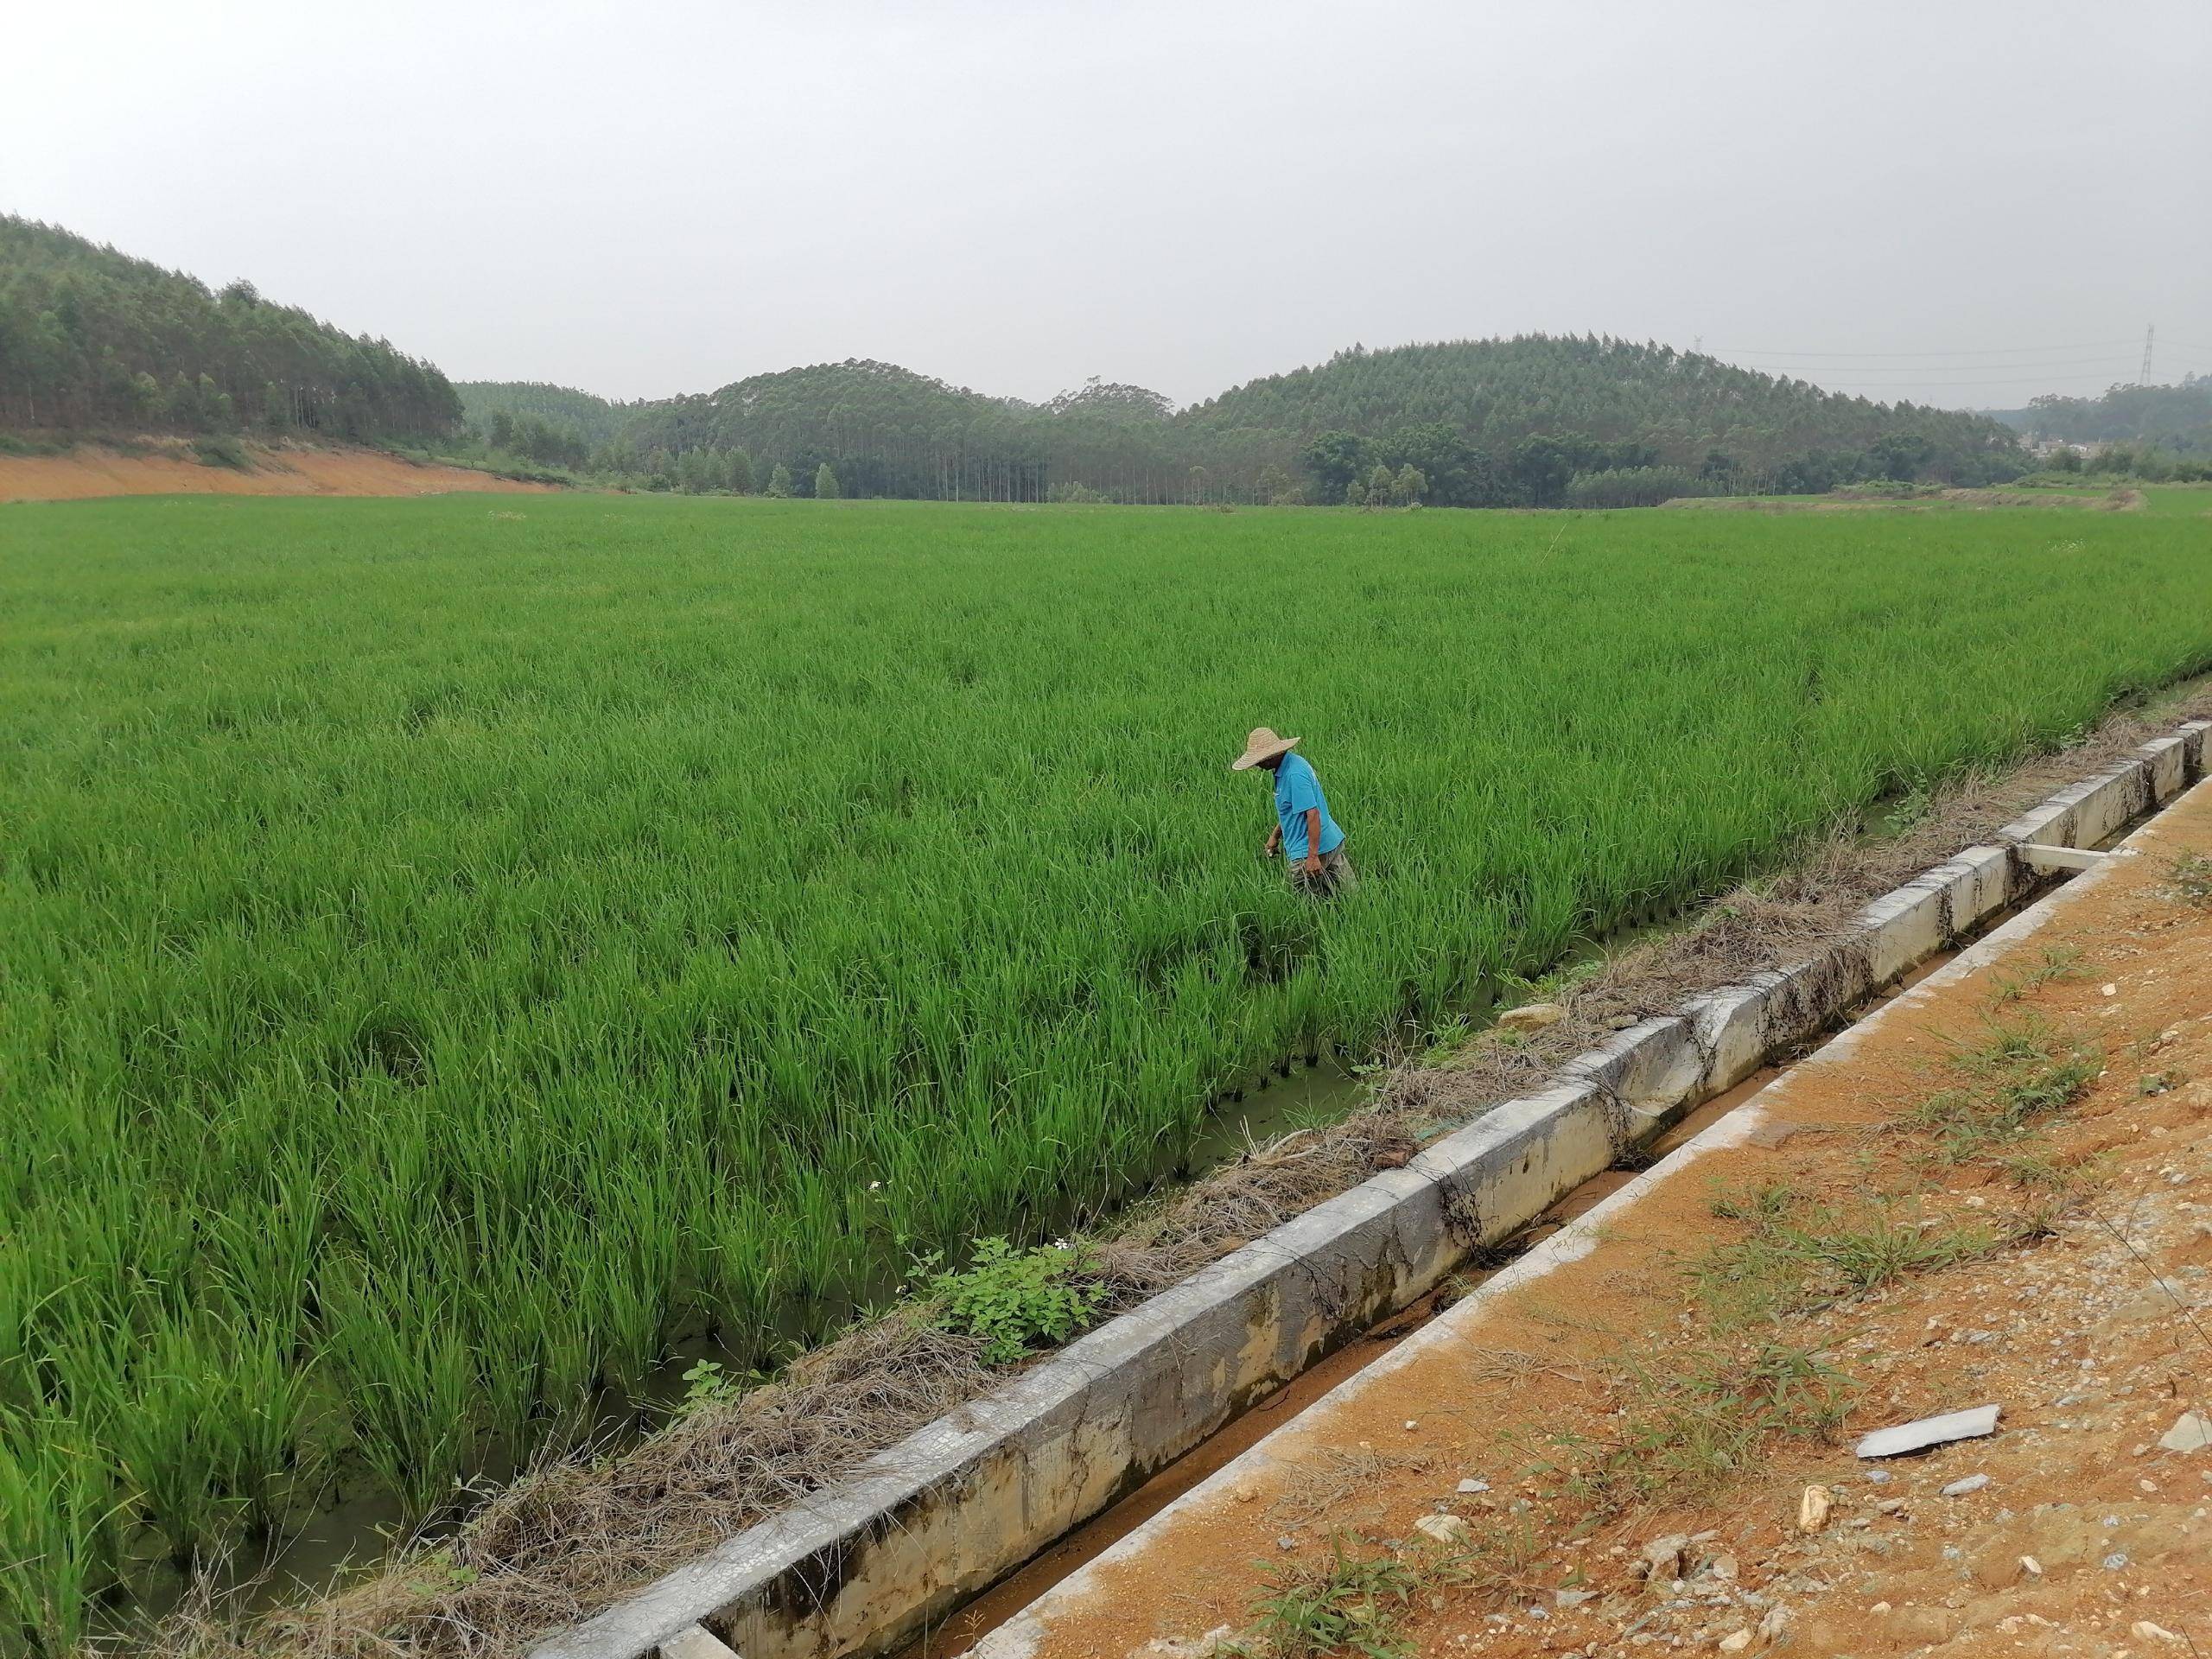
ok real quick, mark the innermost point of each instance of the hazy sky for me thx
(1947, 199)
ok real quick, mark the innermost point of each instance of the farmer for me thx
(1304, 830)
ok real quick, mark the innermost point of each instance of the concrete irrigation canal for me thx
(2066, 1499)
(866, 1565)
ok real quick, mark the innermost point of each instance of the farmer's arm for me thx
(1274, 840)
(1312, 865)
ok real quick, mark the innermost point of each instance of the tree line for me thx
(1536, 421)
(2172, 418)
(92, 340)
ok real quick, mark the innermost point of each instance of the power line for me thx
(1945, 385)
(1975, 350)
(1948, 368)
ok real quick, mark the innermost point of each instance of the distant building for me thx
(2044, 448)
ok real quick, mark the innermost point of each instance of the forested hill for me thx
(94, 341)
(1490, 422)
(1496, 392)
(2177, 418)
(1497, 422)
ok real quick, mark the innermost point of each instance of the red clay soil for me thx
(2094, 1334)
(287, 469)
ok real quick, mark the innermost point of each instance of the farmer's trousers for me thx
(1337, 875)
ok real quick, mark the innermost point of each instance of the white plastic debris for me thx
(1930, 1431)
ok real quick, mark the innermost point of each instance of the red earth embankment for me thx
(172, 468)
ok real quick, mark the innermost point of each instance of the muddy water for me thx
(1319, 1090)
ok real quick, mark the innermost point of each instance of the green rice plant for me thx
(453, 960)
(208, 1429)
(403, 1364)
(59, 1507)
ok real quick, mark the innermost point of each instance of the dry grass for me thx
(1326, 1482)
(578, 1533)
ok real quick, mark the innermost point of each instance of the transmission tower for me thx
(2150, 333)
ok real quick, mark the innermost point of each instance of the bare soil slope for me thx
(172, 469)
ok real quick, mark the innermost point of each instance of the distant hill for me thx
(1483, 422)
(592, 418)
(94, 341)
(2177, 418)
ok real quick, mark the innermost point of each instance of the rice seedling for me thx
(452, 960)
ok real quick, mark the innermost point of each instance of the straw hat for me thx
(1262, 745)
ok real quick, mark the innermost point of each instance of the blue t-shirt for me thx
(1297, 790)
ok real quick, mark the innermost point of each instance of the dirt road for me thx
(1993, 1192)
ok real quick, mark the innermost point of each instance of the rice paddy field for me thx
(454, 949)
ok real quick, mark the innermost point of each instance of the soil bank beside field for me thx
(93, 470)
(2092, 1333)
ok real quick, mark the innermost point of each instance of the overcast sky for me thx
(1945, 200)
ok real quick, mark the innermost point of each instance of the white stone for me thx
(2190, 1433)
(1445, 1529)
(1533, 1016)
(1663, 1556)
(1813, 1509)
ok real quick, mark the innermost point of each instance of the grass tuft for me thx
(1353, 1603)
(1682, 1431)
(2018, 1074)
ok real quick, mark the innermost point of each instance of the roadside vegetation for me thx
(460, 954)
